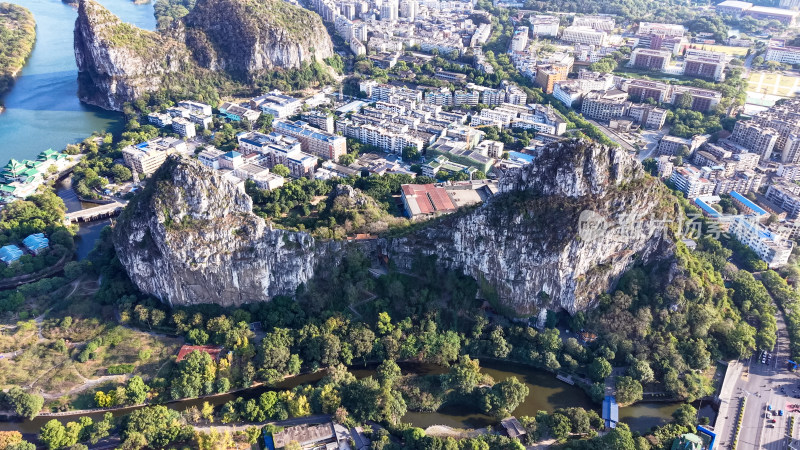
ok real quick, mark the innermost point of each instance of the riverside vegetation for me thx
(17, 35)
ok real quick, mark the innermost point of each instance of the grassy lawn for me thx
(785, 84)
(127, 346)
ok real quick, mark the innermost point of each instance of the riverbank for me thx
(17, 36)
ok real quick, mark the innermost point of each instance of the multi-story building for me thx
(705, 65)
(277, 104)
(196, 107)
(276, 148)
(665, 166)
(209, 157)
(469, 98)
(515, 95)
(160, 120)
(690, 181)
(783, 55)
(408, 9)
(771, 248)
(600, 23)
(542, 25)
(147, 157)
(755, 137)
(671, 145)
(184, 127)
(548, 75)
(314, 141)
(439, 97)
(584, 35)
(733, 7)
(493, 97)
(392, 140)
(390, 10)
(519, 42)
(605, 105)
(319, 119)
(703, 100)
(236, 113)
(786, 196)
(645, 58)
(662, 29)
(648, 116)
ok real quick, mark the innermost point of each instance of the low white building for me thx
(771, 248)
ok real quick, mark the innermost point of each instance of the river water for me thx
(42, 108)
(546, 394)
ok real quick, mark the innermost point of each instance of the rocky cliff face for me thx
(248, 37)
(118, 62)
(556, 237)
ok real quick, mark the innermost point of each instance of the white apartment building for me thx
(584, 35)
(662, 29)
(184, 127)
(542, 25)
(520, 40)
(771, 248)
(600, 23)
(690, 181)
(196, 107)
(783, 55)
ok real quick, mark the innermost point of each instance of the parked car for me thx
(780, 412)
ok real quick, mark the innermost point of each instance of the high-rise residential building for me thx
(147, 157)
(408, 9)
(705, 65)
(389, 10)
(605, 105)
(755, 137)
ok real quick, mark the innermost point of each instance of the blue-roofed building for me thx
(523, 158)
(747, 207)
(610, 411)
(231, 160)
(708, 211)
(36, 243)
(10, 253)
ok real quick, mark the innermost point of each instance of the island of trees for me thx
(17, 34)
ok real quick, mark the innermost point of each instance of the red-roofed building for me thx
(210, 349)
(426, 199)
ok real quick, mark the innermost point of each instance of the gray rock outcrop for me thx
(561, 231)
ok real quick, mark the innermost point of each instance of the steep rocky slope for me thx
(555, 237)
(247, 37)
(118, 62)
(18, 32)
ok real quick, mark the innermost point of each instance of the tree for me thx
(281, 170)
(158, 425)
(619, 438)
(388, 373)
(504, 397)
(121, 173)
(560, 426)
(136, 391)
(685, 415)
(684, 101)
(53, 434)
(628, 390)
(101, 428)
(640, 370)
(24, 404)
(465, 375)
(599, 369)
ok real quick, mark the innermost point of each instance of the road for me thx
(764, 384)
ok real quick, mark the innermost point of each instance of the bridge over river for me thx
(96, 213)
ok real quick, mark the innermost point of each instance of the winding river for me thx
(546, 394)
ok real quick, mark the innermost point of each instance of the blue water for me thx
(42, 109)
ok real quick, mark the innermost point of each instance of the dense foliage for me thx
(17, 35)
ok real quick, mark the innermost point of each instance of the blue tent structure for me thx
(10, 253)
(610, 411)
(36, 243)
